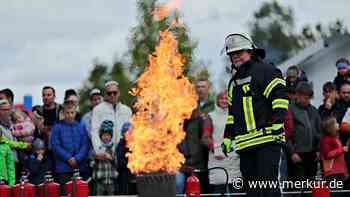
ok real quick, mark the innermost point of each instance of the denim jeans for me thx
(180, 182)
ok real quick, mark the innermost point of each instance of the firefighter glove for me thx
(227, 146)
(277, 128)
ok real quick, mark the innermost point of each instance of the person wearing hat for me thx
(39, 163)
(71, 98)
(109, 109)
(96, 98)
(6, 129)
(258, 102)
(294, 76)
(105, 171)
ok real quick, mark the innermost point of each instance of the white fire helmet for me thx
(238, 42)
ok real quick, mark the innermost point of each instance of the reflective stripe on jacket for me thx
(257, 99)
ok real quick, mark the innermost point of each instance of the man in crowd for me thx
(339, 108)
(110, 109)
(95, 99)
(294, 76)
(7, 94)
(45, 116)
(343, 72)
(193, 146)
(206, 100)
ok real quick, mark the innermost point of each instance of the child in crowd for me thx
(23, 128)
(105, 169)
(124, 177)
(70, 147)
(332, 151)
(330, 97)
(38, 163)
(7, 163)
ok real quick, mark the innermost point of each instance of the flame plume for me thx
(165, 99)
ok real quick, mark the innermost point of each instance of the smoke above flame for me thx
(165, 99)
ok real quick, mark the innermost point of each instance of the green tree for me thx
(98, 76)
(320, 31)
(96, 79)
(145, 36)
(273, 29)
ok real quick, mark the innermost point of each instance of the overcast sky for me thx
(55, 42)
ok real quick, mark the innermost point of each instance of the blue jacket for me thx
(69, 140)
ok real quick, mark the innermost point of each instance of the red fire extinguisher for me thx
(320, 189)
(49, 188)
(193, 187)
(23, 189)
(193, 184)
(76, 187)
(5, 190)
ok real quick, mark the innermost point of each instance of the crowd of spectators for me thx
(57, 138)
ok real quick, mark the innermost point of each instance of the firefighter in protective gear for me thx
(258, 103)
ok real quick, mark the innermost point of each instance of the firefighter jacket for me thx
(258, 102)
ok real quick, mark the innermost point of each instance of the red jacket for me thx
(288, 125)
(332, 155)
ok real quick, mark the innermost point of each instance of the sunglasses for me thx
(112, 93)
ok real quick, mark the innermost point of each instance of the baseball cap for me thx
(95, 91)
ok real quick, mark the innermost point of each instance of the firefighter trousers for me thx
(261, 164)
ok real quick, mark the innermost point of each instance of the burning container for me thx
(156, 185)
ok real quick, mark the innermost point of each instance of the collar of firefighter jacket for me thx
(246, 65)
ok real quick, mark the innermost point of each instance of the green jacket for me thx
(7, 164)
(14, 144)
(209, 106)
(8, 139)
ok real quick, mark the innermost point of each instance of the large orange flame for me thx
(165, 99)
